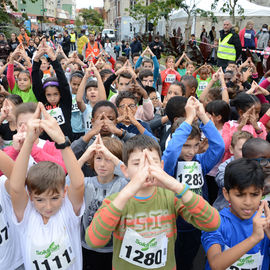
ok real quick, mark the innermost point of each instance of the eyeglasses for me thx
(263, 161)
(154, 98)
(131, 106)
(150, 81)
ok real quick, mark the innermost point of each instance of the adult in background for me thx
(248, 38)
(82, 40)
(66, 43)
(92, 47)
(135, 46)
(229, 47)
(212, 34)
(23, 37)
(263, 37)
(156, 47)
(13, 42)
(72, 40)
(4, 47)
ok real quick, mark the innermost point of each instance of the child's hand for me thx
(50, 125)
(110, 126)
(260, 224)
(18, 140)
(190, 109)
(201, 113)
(97, 124)
(33, 126)
(6, 109)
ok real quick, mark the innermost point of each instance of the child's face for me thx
(63, 63)
(75, 83)
(237, 149)
(110, 114)
(190, 149)
(170, 63)
(22, 120)
(134, 160)
(135, 59)
(92, 94)
(23, 82)
(153, 97)
(52, 95)
(190, 68)
(123, 84)
(127, 102)
(103, 167)
(174, 90)
(47, 203)
(44, 64)
(244, 203)
(204, 74)
(148, 81)
(31, 43)
(148, 65)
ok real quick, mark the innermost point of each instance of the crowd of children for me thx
(122, 164)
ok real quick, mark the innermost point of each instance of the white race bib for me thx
(58, 115)
(148, 253)
(190, 172)
(247, 35)
(247, 262)
(202, 86)
(74, 107)
(56, 255)
(4, 229)
(170, 78)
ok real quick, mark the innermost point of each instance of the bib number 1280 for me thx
(56, 263)
(144, 258)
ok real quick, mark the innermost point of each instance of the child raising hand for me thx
(48, 215)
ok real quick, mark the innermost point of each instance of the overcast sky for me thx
(87, 3)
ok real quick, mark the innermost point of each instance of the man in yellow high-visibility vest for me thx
(229, 48)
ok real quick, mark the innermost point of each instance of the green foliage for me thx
(91, 17)
(230, 6)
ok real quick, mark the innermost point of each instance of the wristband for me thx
(180, 195)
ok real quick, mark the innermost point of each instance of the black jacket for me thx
(65, 101)
(66, 43)
(158, 50)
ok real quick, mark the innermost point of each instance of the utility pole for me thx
(42, 13)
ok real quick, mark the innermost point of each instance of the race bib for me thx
(247, 262)
(170, 78)
(247, 35)
(74, 107)
(202, 86)
(57, 113)
(190, 173)
(148, 253)
(4, 229)
(56, 255)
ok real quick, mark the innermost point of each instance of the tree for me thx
(91, 17)
(230, 6)
(162, 9)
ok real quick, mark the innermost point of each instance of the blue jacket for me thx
(135, 131)
(207, 159)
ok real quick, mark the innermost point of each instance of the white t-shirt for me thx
(55, 245)
(10, 253)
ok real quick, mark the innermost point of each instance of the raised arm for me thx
(76, 187)
(18, 192)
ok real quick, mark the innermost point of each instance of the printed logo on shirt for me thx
(48, 252)
(145, 245)
(247, 260)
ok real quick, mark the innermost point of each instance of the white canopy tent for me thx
(259, 14)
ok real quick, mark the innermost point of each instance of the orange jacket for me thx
(25, 38)
(95, 49)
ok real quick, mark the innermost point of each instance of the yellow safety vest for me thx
(225, 50)
(72, 37)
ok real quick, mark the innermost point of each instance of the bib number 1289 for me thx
(144, 258)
